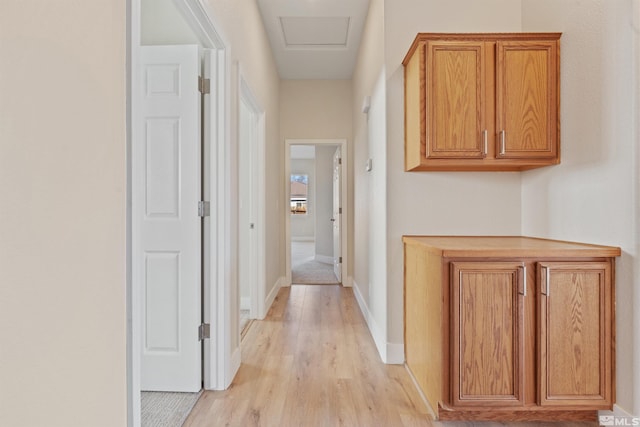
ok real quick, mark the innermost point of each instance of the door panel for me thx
(455, 99)
(568, 291)
(167, 182)
(337, 215)
(527, 98)
(487, 319)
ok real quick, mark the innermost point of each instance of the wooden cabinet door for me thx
(575, 334)
(527, 99)
(455, 81)
(487, 350)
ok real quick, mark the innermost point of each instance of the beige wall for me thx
(320, 109)
(241, 26)
(369, 66)
(62, 213)
(592, 196)
(437, 202)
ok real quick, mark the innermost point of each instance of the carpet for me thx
(313, 273)
(164, 409)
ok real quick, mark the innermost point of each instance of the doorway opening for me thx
(316, 194)
(156, 193)
(251, 201)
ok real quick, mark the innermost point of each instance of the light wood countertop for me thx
(508, 246)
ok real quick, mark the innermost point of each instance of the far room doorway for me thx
(314, 221)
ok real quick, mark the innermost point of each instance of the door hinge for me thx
(204, 331)
(204, 85)
(340, 260)
(340, 160)
(204, 208)
(340, 210)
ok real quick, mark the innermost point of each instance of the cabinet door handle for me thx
(502, 142)
(545, 290)
(524, 280)
(484, 142)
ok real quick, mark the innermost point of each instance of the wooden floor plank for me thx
(312, 362)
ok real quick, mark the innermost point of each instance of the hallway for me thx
(312, 362)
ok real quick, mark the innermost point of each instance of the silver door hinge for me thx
(204, 331)
(340, 260)
(340, 160)
(339, 210)
(204, 208)
(204, 85)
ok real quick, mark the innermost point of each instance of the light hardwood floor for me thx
(312, 362)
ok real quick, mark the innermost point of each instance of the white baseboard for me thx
(395, 353)
(389, 353)
(621, 413)
(245, 303)
(303, 238)
(272, 296)
(348, 282)
(234, 365)
(324, 259)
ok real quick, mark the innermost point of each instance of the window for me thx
(299, 186)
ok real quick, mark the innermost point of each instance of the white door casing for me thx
(251, 198)
(344, 185)
(337, 214)
(166, 188)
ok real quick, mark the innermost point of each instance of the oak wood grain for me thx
(459, 87)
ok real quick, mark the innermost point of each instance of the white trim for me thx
(234, 364)
(219, 364)
(245, 303)
(303, 239)
(342, 143)
(390, 353)
(272, 295)
(134, 332)
(618, 412)
(376, 333)
(201, 23)
(324, 259)
(395, 353)
(258, 287)
(348, 282)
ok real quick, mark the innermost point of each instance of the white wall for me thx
(369, 66)
(303, 227)
(438, 202)
(240, 23)
(324, 200)
(378, 218)
(63, 212)
(592, 195)
(161, 23)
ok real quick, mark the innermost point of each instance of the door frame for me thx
(219, 365)
(258, 269)
(344, 230)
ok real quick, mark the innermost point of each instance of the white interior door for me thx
(167, 184)
(337, 214)
(247, 150)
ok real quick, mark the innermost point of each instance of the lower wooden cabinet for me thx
(510, 328)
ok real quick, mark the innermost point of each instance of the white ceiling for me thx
(314, 39)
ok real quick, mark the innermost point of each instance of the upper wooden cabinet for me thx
(482, 101)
